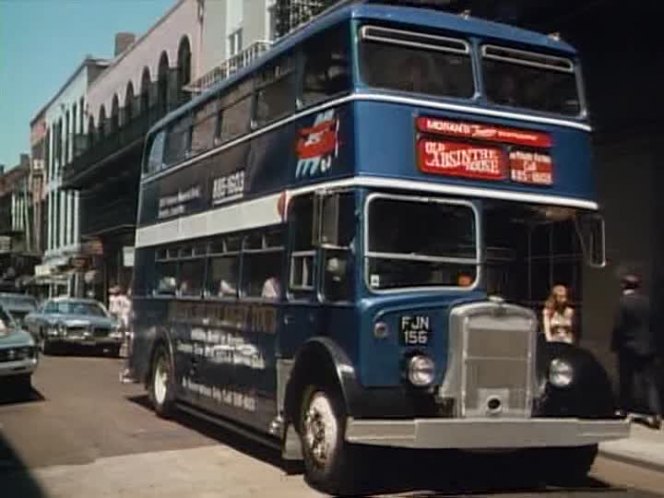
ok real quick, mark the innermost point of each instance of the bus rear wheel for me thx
(161, 389)
(330, 462)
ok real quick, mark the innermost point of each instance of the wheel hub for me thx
(160, 381)
(320, 429)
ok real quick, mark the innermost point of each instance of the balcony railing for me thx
(98, 218)
(130, 133)
(229, 66)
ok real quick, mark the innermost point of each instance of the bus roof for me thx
(416, 16)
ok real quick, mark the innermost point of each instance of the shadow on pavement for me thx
(422, 473)
(16, 480)
(13, 393)
(452, 473)
(224, 436)
(80, 351)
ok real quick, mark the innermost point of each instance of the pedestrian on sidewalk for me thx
(634, 343)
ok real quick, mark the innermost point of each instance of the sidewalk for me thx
(644, 448)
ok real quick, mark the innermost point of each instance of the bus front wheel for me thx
(329, 461)
(161, 383)
(567, 466)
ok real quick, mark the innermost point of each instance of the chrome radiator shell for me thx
(491, 361)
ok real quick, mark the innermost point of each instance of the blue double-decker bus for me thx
(347, 244)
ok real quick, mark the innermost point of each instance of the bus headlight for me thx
(561, 373)
(421, 370)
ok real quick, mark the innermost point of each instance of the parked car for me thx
(67, 321)
(18, 352)
(18, 305)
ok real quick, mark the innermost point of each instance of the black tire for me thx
(330, 470)
(45, 346)
(161, 389)
(114, 351)
(23, 384)
(567, 466)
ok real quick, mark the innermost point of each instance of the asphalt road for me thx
(83, 434)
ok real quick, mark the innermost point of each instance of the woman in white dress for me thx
(558, 316)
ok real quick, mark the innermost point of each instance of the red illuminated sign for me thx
(483, 132)
(531, 167)
(481, 162)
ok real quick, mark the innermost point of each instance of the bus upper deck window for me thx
(408, 61)
(326, 66)
(530, 80)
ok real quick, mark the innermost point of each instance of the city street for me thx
(83, 434)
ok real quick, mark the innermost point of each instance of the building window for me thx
(235, 42)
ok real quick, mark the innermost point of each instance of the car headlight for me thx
(421, 370)
(561, 373)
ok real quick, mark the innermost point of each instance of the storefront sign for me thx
(462, 160)
(42, 270)
(79, 262)
(483, 132)
(128, 256)
(531, 167)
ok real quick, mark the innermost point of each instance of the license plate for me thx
(414, 330)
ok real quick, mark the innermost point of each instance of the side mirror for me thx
(326, 219)
(593, 239)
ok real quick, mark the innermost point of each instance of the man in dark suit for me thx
(634, 343)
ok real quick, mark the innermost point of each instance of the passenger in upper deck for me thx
(416, 74)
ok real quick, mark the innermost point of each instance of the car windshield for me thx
(5, 320)
(22, 302)
(415, 242)
(76, 308)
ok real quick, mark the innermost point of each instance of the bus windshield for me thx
(415, 242)
(529, 80)
(415, 62)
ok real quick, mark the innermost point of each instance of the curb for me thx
(631, 460)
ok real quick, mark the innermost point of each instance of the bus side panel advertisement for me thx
(318, 145)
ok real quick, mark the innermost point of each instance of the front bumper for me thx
(18, 367)
(87, 341)
(484, 434)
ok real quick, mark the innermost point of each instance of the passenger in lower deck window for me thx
(226, 289)
(271, 288)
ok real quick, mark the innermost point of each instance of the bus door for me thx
(336, 227)
(321, 269)
(301, 313)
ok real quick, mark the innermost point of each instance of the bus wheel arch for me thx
(320, 361)
(316, 407)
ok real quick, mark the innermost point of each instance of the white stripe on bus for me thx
(370, 97)
(261, 212)
(246, 215)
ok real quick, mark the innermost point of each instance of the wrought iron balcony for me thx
(229, 66)
(98, 219)
(83, 168)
